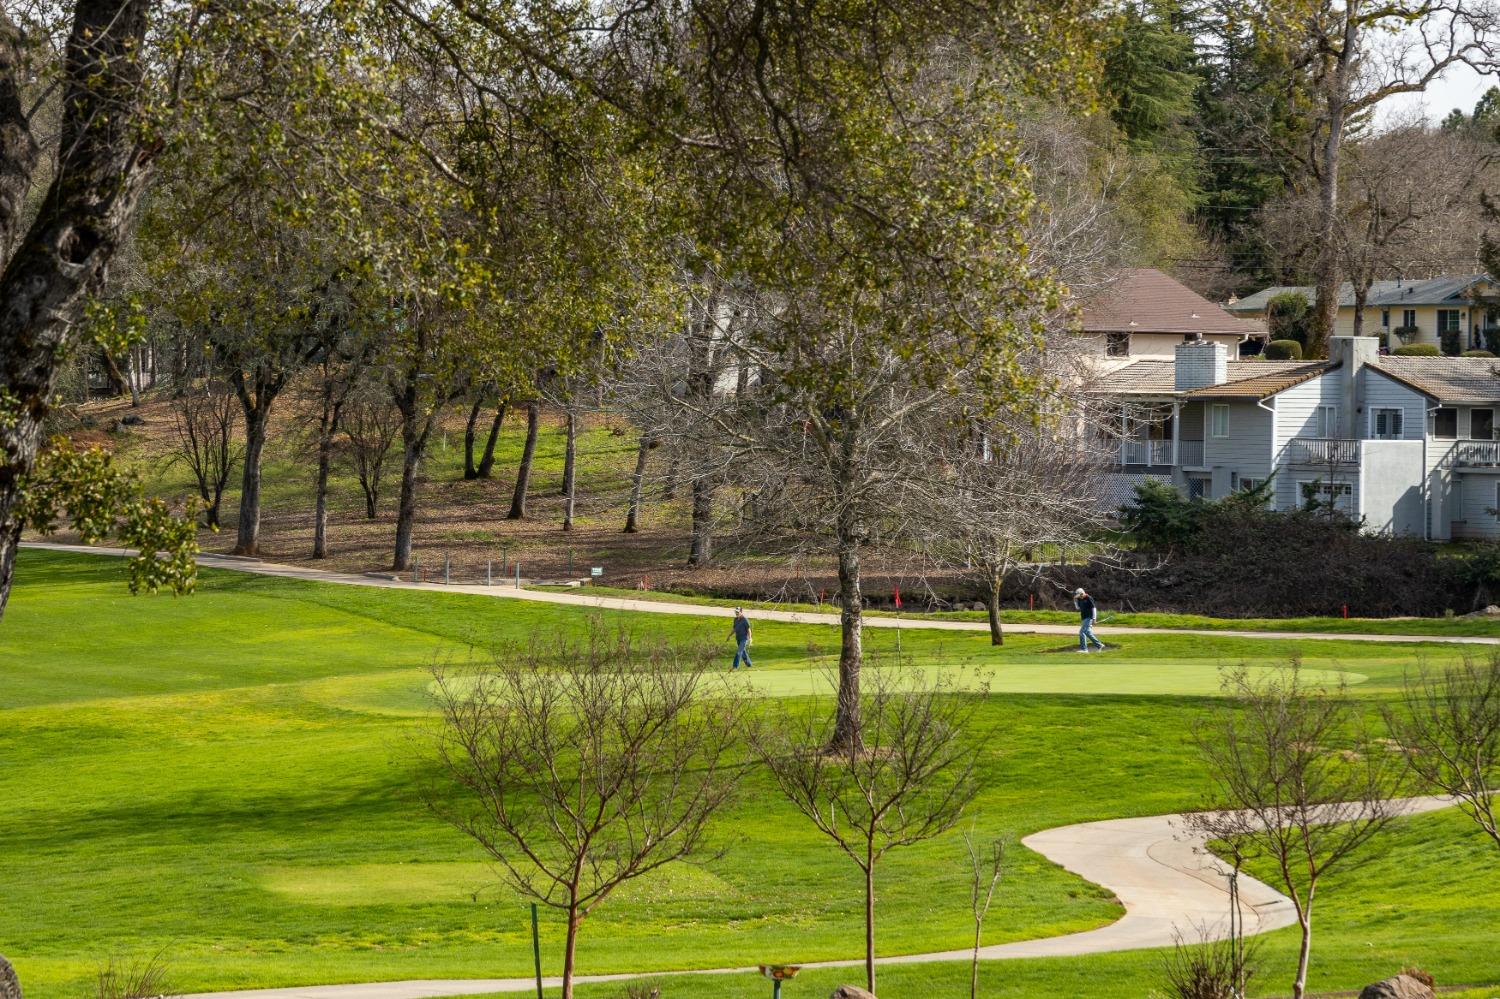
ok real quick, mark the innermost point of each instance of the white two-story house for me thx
(1408, 444)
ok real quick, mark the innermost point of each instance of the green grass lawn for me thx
(229, 779)
(1438, 627)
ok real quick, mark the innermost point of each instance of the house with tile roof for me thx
(1143, 314)
(1403, 311)
(1406, 444)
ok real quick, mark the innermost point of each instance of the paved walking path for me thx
(1158, 870)
(581, 597)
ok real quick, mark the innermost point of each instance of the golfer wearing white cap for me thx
(740, 632)
(1089, 611)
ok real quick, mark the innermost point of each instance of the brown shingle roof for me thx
(1144, 300)
(1264, 384)
(1463, 380)
(1159, 378)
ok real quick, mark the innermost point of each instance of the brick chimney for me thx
(1200, 363)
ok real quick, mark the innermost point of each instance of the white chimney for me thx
(1351, 353)
(1199, 363)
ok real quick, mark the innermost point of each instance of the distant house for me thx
(1408, 444)
(1402, 311)
(1144, 314)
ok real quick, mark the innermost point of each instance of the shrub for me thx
(1161, 518)
(1288, 315)
(1407, 333)
(1283, 350)
(1492, 340)
(1450, 341)
(1478, 353)
(1417, 350)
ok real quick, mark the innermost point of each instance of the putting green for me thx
(408, 693)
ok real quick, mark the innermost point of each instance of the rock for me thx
(1399, 987)
(10, 987)
(132, 420)
(850, 992)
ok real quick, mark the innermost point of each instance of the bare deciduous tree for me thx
(1357, 54)
(1301, 782)
(1409, 206)
(371, 424)
(1001, 490)
(203, 424)
(581, 765)
(984, 878)
(1451, 733)
(910, 776)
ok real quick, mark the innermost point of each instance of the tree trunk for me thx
(60, 258)
(637, 485)
(570, 467)
(112, 371)
(327, 426)
(257, 422)
(669, 489)
(847, 735)
(570, 948)
(487, 463)
(1361, 293)
(470, 471)
(869, 921)
(133, 375)
(702, 550)
(1326, 304)
(1304, 951)
(570, 453)
(992, 605)
(413, 443)
(523, 472)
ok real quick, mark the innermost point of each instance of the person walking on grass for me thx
(740, 632)
(1089, 612)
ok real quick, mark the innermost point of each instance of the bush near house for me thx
(1283, 350)
(1478, 353)
(1406, 333)
(1236, 558)
(1451, 342)
(1417, 350)
(1289, 315)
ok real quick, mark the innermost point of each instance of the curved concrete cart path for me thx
(582, 598)
(1155, 866)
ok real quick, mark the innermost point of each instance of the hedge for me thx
(1283, 350)
(1418, 350)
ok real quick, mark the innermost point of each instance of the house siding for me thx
(1296, 416)
(1245, 453)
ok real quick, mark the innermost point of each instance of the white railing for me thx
(1321, 451)
(1148, 453)
(1190, 452)
(1475, 453)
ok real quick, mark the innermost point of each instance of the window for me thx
(1117, 344)
(1249, 485)
(1386, 424)
(1482, 424)
(1339, 495)
(1197, 488)
(1385, 318)
(1326, 422)
(1445, 424)
(1218, 420)
(1409, 318)
(1447, 320)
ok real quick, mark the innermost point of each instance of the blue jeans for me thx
(741, 651)
(1086, 635)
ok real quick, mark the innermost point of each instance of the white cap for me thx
(739, 610)
(1079, 592)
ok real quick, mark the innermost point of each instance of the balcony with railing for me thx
(1322, 451)
(1158, 453)
(1475, 454)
